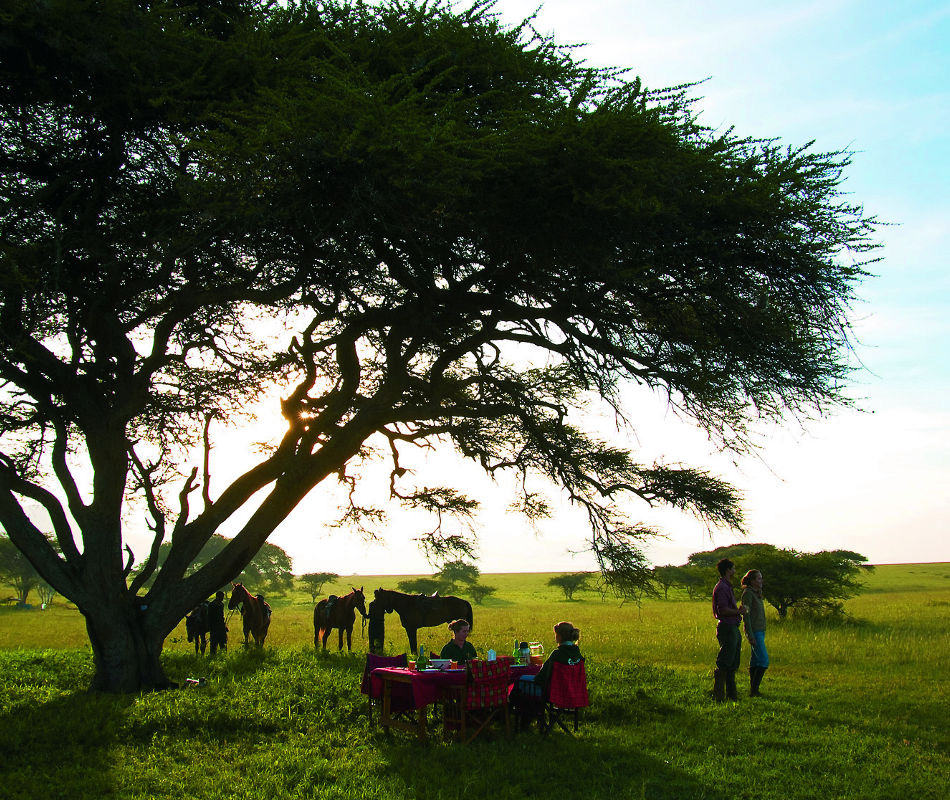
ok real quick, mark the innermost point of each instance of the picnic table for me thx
(426, 688)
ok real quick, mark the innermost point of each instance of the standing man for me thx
(727, 632)
(216, 627)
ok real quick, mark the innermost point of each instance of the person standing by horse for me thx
(377, 627)
(218, 630)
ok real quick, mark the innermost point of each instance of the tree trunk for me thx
(127, 656)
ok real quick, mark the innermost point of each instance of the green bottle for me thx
(516, 652)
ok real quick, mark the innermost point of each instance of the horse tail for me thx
(319, 621)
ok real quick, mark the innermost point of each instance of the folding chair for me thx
(567, 694)
(469, 708)
(402, 694)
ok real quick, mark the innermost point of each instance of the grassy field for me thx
(855, 709)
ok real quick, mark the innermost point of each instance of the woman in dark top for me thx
(530, 691)
(458, 649)
(567, 652)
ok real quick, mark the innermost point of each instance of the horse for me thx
(197, 625)
(421, 611)
(254, 612)
(341, 613)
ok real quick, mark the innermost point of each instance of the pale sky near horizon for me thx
(873, 77)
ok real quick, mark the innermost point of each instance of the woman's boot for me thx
(756, 678)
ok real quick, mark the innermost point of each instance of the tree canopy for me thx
(570, 584)
(314, 582)
(271, 568)
(453, 573)
(424, 227)
(16, 571)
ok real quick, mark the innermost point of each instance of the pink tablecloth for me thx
(427, 686)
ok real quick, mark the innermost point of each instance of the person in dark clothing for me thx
(459, 649)
(531, 691)
(217, 630)
(729, 616)
(377, 627)
(567, 652)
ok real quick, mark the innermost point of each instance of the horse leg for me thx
(204, 643)
(411, 633)
(326, 635)
(340, 647)
(349, 639)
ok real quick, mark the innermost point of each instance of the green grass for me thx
(854, 709)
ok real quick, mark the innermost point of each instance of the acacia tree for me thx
(453, 573)
(461, 234)
(16, 570)
(479, 591)
(313, 582)
(569, 584)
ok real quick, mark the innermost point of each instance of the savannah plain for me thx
(853, 708)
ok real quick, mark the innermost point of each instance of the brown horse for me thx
(421, 611)
(197, 627)
(254, 612)
(341, 613)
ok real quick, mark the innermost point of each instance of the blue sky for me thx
(873, 77)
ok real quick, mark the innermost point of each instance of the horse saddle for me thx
(264, 607)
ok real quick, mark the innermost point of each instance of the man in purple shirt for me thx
(727, 632)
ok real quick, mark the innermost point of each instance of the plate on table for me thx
(432, 669)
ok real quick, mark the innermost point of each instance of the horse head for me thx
(359, 601)
(236, 595)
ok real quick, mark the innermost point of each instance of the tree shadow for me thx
(61, 747)
(529, 764)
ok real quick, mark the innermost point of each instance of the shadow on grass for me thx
(531, 765)
(62, 747)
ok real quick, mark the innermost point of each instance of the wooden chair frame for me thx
(468, 709)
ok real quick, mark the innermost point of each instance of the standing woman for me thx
(755, 628)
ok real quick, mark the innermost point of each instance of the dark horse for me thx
(341, 613)
(254, 611)
(421, 611)
(197, 625)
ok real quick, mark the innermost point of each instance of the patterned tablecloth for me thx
(427, 687)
